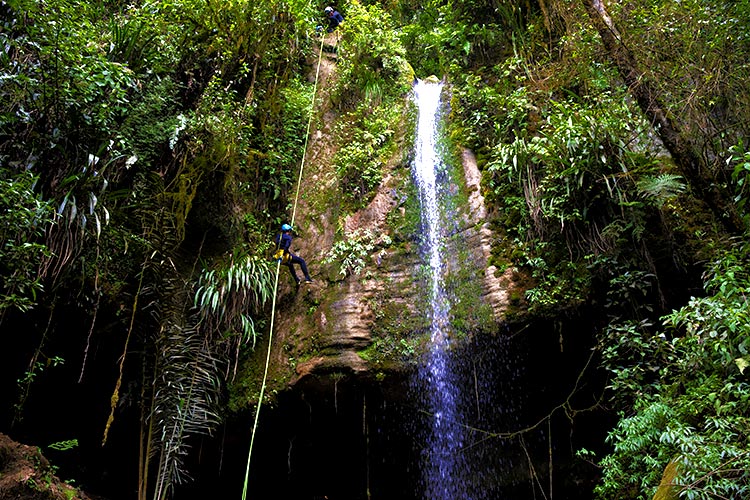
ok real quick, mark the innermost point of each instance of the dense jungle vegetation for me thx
(148, 149)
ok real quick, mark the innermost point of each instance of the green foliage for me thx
(139, 41)
(422, 40)
(63, 96)
(256, 233)
(374, 78)
(152, 122)
(488, 114)
(692, 399)
(83, 84)
(24, 217)
(374, 66)
(451, 36)
(360, 161)
(64, 445)
(231, 31)
(388, 349)
(577, 145)
(350, 254)
(572, 178)
(716, 328)
(630, 351)
(565, 284)
(695, 52)
(661, 188)
(228, 297)
(639, 438)
(283, 140)
(739, 159)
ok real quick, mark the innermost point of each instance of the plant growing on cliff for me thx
(359, 162)
(24, 216)
(375, 66)
(374, 78)
(350, 254)
(228, 297)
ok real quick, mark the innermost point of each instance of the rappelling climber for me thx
(285, 256)
(334, 18)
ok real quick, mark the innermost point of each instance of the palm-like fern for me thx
(131, 43)
(661, 188)
(181, 366)
(186, 401)
(228, 297)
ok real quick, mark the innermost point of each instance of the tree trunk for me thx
(690, 163)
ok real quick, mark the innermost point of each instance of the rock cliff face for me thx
(496, 285)
(370, 322)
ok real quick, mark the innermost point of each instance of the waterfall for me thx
(442, 457)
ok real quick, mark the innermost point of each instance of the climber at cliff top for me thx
(285, 255)
(334, 18)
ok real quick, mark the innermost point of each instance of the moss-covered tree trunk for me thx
(685, 155)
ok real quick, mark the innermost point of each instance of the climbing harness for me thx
(282, 256)
(276, 281)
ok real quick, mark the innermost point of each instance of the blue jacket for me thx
(284, 241)
(334, 19)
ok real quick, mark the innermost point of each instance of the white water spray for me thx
(442, 459)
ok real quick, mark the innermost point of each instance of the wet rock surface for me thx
(337, 317)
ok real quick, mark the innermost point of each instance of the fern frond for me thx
(226, 298)
(186, 401)
(661, 188)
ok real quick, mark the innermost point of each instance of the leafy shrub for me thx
(374, 66)
(360, 161)
(693, 406)
(152, 123)
(24, 217)
(228, 297)
(350, 253)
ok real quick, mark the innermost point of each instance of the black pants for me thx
(295, 259)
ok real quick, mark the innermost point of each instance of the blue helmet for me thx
(286, 227)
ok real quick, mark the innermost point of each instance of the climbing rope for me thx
(276, 280)
(307, 132)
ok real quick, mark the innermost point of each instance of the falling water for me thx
(442, 457)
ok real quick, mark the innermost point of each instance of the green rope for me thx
(276, 281)
(307, 132)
